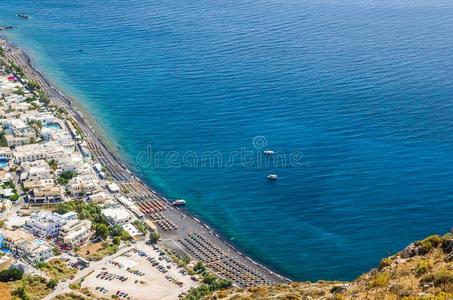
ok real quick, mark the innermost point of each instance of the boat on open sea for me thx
(23, 16)
(268, 152)
(272, 177)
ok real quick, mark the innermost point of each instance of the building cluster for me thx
(67, 229)
(44, 160)
(25, 245)
(34, 242)
(43, 145)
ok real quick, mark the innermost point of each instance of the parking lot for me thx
(142, 273)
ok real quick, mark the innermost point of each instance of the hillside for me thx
(423, 270)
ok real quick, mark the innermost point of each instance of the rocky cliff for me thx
(423, 270)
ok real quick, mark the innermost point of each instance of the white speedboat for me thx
(179, 202)
(268, 152)
(272, 177)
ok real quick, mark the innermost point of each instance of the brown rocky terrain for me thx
(423, 270)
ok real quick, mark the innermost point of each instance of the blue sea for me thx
(354, 96)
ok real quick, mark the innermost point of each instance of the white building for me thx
(113, 187)
(72, 162)
(26, 245)
(6, 153)
(132, 230)
(35, 170)
(33, 152)
(75, 232)
(29, 153)
(18, 133)
(45, 195)
(45, 224)
(100, 197)
(18, 126)
(46, 118)
(117, 215)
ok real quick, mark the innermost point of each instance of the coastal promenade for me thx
(179, 230)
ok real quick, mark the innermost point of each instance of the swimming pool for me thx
(53, 125)
(6, 251)
(3, 163)
(39, 242)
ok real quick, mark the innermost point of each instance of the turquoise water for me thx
(362, 89)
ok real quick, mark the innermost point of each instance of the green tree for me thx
(34, 85)
(125, 236)
(53, 164)
(140, 226)
(209, 278)
(14, 197)
(154, 236)
(56, 251)
(21, 293)
(52, 283)
(116, 230)
(9, 184)
(11, 274)
(65, 176)
(222, 284)
(199, 268)
(117, 240)
(102, 231)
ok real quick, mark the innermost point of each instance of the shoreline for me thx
(102, 153)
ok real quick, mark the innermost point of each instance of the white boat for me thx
(268, 152)
(272, 177)
(179, 202)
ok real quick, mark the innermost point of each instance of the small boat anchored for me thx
(272, 177)
(23, 16)
(6, 27)
(268, 152)
(179, 202)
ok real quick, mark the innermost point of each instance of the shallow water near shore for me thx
(363, 89)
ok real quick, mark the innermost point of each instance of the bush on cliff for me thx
(430, 243)
(423, 267)
(380, 279)
(442, 279)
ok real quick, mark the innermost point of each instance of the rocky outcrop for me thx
(410, 251)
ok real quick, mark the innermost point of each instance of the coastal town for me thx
(75, 222)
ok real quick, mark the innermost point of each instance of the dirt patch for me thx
(5, 292)
(88, 249)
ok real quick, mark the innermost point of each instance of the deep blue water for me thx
(362, 88)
